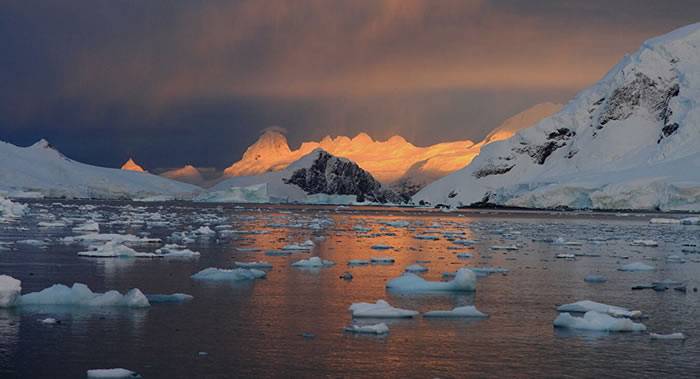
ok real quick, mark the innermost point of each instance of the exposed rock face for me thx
(318, 177)
(338, 176)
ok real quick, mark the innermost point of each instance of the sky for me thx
(174, 82)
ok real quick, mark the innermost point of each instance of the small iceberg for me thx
(10, 289)
(504, 247)
(90, 226)
(464, 280)
(358, 262)
(595, 279)
(382, 260)
(81, 295)
(381, 247)
(636, 267)
(584, 306)
(236, 274)
(380, 309)
(380, 328)
(112, 250)
(595, 321)
(644, 243)
(313, 262)
(111, 373)
(306, 245)
(465, 311)
(672, 336)
(416, 268)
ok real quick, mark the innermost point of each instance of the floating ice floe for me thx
(112, 250)
(10, 210)
(10, 289)
(382, 260)
(595, 321)
(128, 239)
(204, 231)
(358, 262)
(427, 237)
(313, 262)
(176, 251)
(464, 255)
(81, 295)
(565, 256)
(306, 245)
(380, 328)
(396, 224)
(584, 306)
(464, 280)
(672, 336)
(381, 247)
(504, 247)
(256, 264)
(465, 311)
(89, 226)
(644, 243)
(416, 268)
(51, 224)
(236, 274)
(636, 266)
(595, 279)
(659, 220)
(464, 242)
(48, 321)
(111, 373)
(361, 229)
(380, 309)
(171, 298)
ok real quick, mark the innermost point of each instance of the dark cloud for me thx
(172, 82)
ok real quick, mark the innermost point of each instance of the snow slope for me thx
(631, 141)
(318, 177)
(40, 168)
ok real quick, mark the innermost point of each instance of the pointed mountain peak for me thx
(130, 165)
(362, 138)
(42, 144)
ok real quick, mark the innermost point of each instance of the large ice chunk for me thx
(380, 309)
(636, 266)
(380, 328)
(584, 306)
(313, 262)
(464, 280)
(221, 274)
(465, 311)
(81, 295)
(111, 373)
(10, 288)
(596, 321)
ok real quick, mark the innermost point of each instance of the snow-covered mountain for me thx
(186, 174)
(130, 165)
(318, 177)
(631, 141)
(427, 171)
(41, 169)
(394, 162)
(386, 160)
